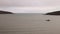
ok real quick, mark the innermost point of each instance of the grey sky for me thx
(43, 5)
(29, 2)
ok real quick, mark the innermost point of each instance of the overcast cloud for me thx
(43, 5)
(29, 2)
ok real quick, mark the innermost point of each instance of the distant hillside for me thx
(53, 13)
(5, 12)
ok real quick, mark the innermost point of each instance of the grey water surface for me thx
(29, 23)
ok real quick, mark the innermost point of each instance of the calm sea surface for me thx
(29, 24)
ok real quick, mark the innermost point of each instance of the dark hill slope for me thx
(53, 13)
(5, 12)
